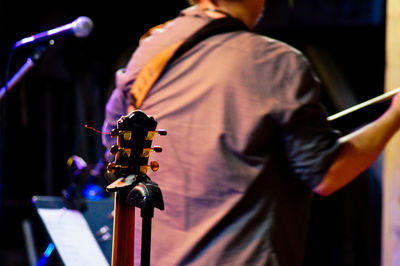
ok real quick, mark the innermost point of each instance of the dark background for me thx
(44, 116)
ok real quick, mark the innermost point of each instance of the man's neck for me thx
(237, 10)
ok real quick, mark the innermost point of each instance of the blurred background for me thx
(43, 118)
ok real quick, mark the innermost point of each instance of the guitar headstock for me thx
(135, 133)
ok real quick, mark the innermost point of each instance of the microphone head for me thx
(76, 165)
(82, 27)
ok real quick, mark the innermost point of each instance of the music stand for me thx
(80, 238)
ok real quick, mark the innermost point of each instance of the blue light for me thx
(93, 192)
(48, 250)
(45, 256)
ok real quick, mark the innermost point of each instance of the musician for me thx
(248, 143)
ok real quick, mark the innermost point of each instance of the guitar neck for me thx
(123, 232)
(134, 133)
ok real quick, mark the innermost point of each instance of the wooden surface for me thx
(391, 165)
(123, 233)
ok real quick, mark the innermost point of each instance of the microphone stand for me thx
(29, 64)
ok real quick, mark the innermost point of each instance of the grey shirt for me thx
(247, 141)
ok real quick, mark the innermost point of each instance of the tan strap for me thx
(152, 71)
(149, 74)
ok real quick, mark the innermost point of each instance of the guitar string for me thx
(96, 130)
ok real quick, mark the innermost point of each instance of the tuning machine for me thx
(154, 166)
(124, 151)
(111, 167)
(151, 134)
(146, 151)
(127, 135)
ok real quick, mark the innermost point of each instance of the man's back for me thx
(228, 170)
(230, 197)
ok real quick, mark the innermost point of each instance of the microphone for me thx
(80, 27)
(76, 165)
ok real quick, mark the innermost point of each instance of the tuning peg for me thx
(114, 149)
(153, 166)
(146, 151)
(157, 149)
(162, 132)
(125, 152)
(116, 132)
(111, 168)
(150, 134)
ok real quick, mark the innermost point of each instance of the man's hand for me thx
(360, 149)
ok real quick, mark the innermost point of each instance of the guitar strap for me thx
(156, 67)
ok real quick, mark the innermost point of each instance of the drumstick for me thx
(374, 100)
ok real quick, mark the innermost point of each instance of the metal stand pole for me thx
(29, 64)
(146, 195)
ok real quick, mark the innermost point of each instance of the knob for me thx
(154, 166)
(150, 134)
(111, 168)
(162, 132)
(114, 133)
(146, 151)
(157, 149)
(114, 149)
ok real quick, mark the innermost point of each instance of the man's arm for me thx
(359, 150)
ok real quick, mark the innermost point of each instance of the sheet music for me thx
(72, 237)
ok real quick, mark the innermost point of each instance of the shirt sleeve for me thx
(116, 107)
(309, 140)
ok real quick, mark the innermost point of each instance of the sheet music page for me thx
(72, 237)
